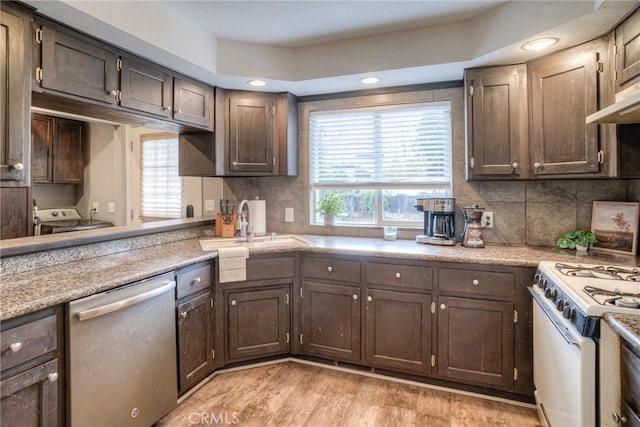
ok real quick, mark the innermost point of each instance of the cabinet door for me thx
(475, 341)
(68, 166)
(387, 313)
(331, 321)
(31, 398)
(259, 323)
(251, 135)
(42, 149)
(145, 87)
(195, 342)
(78, 66)
(15, 212)
(564, 91)
(15, 97)
(496, 122)
(628, 51)
(193, 103)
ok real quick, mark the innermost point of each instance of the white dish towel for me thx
(232, 264)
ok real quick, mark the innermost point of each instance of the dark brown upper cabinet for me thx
(15, 89)
(57, 150)
(627, 37)
(563, 91)
(145, 87)
(193, 103)
(77, 65)
(496, 109)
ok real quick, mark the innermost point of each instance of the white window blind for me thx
(382, 147)
(161, 185)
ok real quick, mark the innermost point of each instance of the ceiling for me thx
(322, 46)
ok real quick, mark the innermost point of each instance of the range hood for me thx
(626, 109)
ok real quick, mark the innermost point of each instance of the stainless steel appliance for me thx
(62, 220)
(574, 385)
(122, 355)
(439, 221)
(473, 236)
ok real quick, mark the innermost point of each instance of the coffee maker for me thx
(473, 236)
(439, 221)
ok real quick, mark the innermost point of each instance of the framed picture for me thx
(615, 225)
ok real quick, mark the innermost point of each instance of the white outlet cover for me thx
(210, 205)
(96, 206)
(111, 207)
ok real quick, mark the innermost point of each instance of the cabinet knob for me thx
(537, 165)
(196, 280)
(15, 347)
(329, 269)
(18, 166)
(442, 306)
(166, 107)
(618, 419)
(234, 163)
(397, 275)
(475, 282)
(233, 302)
(369, 298)
(112, 92)
(178, 111)
(52, 377)
(184, 314)
(515, 165)
(355, 297)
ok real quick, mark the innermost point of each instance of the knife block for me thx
(226, 230)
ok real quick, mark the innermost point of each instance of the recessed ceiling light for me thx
(369, 80)
(539, 44)
(257, 83)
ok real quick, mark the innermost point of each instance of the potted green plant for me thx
(330, 205)
(579, 240)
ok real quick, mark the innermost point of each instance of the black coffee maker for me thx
(439, 221)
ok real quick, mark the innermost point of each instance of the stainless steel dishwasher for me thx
(122, 355)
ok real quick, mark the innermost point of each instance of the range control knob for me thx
(550, 292)
(567, 312)
(560, 304)
(543, 283)
(536, 278)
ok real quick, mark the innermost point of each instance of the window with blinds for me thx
(380, 159)
(162, 189)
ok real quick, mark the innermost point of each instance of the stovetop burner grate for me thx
(599, 272)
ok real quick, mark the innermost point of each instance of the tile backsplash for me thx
(525, 212)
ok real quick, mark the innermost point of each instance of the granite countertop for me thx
(33, 290)
(627, 326)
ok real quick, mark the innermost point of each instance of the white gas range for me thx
(573, 374)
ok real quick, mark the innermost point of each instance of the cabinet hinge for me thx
(300, 292)
(118, 96)
(131, 146)
(287, 300)
(301, 339)
(472, 162)
(600, 66)
(601, 156)
(39, 75)
(131, 214)
(273, 111)
(515, 374)
(470, 90)
(119, 64)
(433, 360)
(211, 301)
(213, 354)
(515, 316)
(273, 161)
(433, 307)
(287, 337)
(38, 35)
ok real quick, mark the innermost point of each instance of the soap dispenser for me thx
(243, 225)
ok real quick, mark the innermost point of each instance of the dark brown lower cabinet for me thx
(195, 339)
(259, 323)
(331, 321)
(398, 330)
(475, 341)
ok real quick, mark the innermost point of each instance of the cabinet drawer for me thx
(270, 268)
(331, 269)
(407, 276)
(28, 341)
(193, 281)
(476, 282)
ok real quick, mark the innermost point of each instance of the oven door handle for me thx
(552, 318)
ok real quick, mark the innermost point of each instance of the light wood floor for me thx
(294, 394)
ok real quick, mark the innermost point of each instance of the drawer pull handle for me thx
(184, 314)
(196, 280)
(369, 298)
(18, 166)
(15, 347)
(355, 297)
(475, 282)
(397, 275)
(442, 306)
(234, 164)
(329, 269)
(233, 302)
(618, 419)
(52, 377)
(514, 165)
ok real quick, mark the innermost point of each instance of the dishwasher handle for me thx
(122, 304)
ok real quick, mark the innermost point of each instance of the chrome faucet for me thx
(250, 234)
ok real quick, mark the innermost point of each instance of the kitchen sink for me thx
(280, 241)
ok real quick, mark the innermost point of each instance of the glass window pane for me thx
(399, 205)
